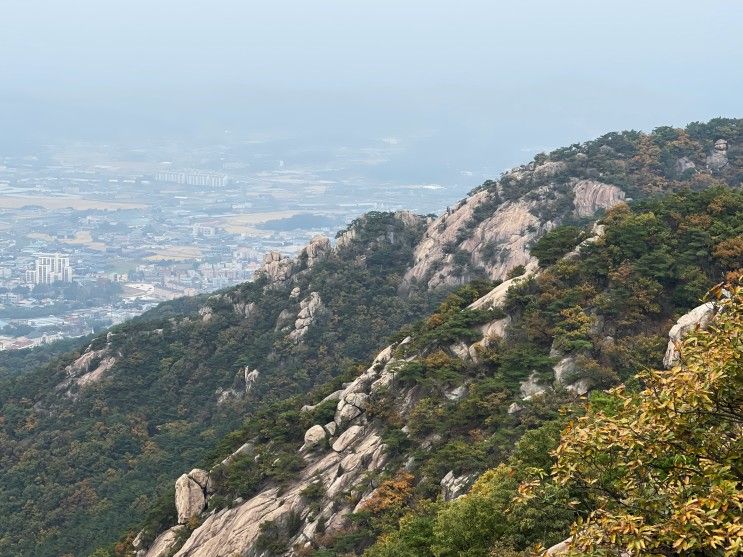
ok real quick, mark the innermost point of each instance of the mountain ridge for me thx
(307, 322)
(352, 462)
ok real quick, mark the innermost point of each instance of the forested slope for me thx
(89, 438)
(476, 386)
(95, 439)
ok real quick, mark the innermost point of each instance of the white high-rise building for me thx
(50, 267)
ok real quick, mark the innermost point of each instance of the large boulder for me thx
(314, 436)
(532, 388)
(190, 497)
(453, 486)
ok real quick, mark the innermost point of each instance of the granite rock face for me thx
(453, 486)
(490, 232)
(717, 160)
(89, 368)
(190, 495)
(309, 308)
(163, 544)
(699, 317)
(590, 196)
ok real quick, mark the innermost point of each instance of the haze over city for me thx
(161, 148)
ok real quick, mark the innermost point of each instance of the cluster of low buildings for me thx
(90, 220)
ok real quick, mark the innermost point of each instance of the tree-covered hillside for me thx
(79, 461)
(607, 311)
(93, 439)
(473, 390)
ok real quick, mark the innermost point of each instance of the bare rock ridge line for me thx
(337, 455)
(499, 242)
(355, 450)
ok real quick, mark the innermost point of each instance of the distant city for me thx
(92, 235)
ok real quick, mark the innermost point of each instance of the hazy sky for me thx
(478, 83)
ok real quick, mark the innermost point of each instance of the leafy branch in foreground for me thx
(662, 471)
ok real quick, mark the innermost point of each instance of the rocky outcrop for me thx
(313, 437)
(349, 236)
(245, 309)
(190, 494)
(89, 368)
(597, 232)
(356, 452)
(717, 160)
(532, 387)
(248, 376)
(496, 328)
(163, 544)
(251, 376)
(206, 313)
(317, 250)
(683, 164)
(548, 170)
(565, 371)
(590, 196)
(276, 268)
(497, 296)
(470, 239)
(453, 486)
(309, 308)
(698, 318)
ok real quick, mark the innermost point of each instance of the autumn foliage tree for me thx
(662, 468)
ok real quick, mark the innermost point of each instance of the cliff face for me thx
(489, 233)
(463, 244)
